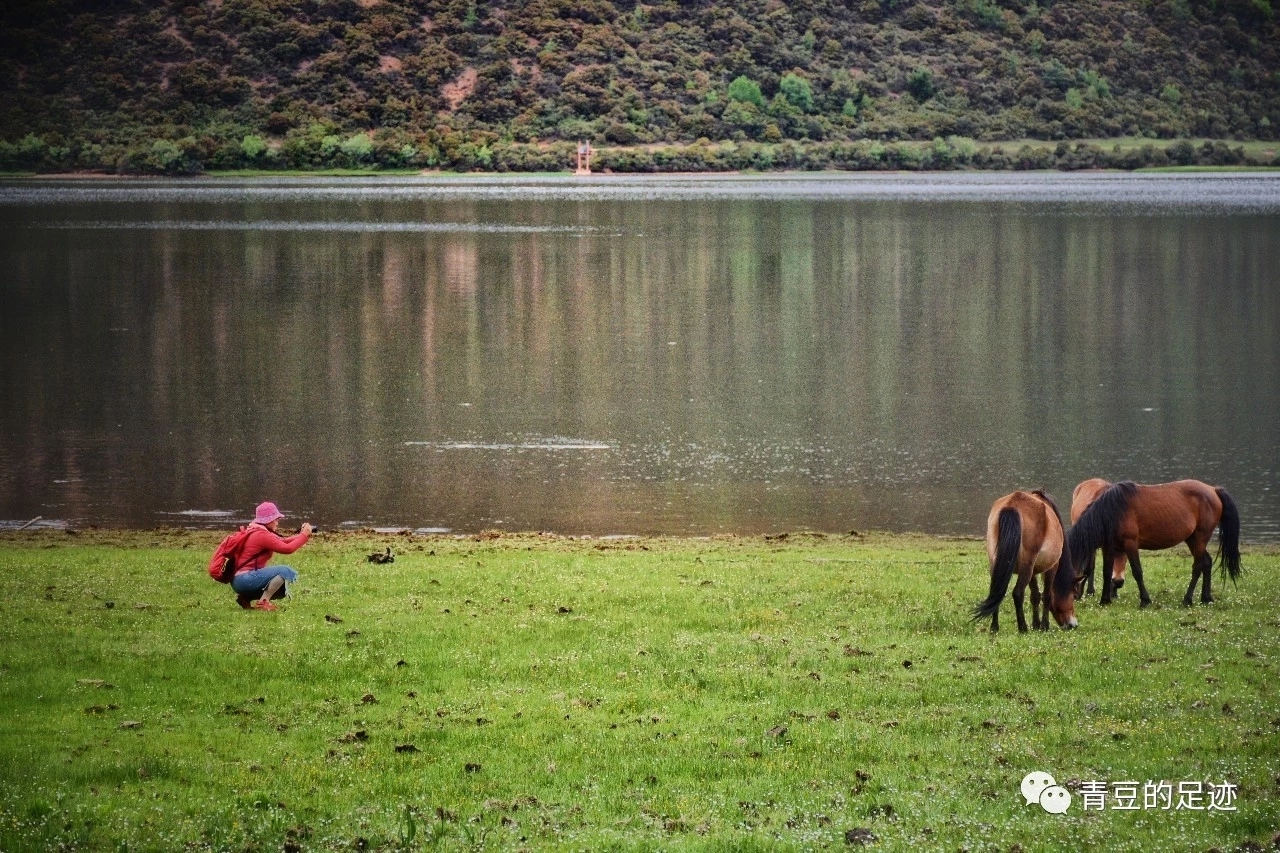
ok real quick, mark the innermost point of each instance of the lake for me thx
(633, 355)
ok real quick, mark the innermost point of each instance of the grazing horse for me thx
(1024, 536)
(1083, 495)
(1123, 518)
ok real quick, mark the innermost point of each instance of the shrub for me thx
(920, 84)
(797, 90)
(745, 116)
(1055, 74)
(252, 147)
(1034, 157)
(26, 153)
(473, 156)
(940, 155)
(329, 147)
(987, 12)
(745, 90)
(162, 156)
(963, 148)
(1095, 84)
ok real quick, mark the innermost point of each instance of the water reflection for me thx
(667, 356)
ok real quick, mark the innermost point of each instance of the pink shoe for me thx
(264, 605)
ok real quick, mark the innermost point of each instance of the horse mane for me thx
(1064, 579)
(1098, 525)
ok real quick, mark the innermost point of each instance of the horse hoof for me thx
(1146, 602)
(1186, 602)
(1208, 600)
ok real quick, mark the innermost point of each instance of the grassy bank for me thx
(547, 693)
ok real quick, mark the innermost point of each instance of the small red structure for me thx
(584, 159)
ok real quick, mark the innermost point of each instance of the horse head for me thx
(1064, 590)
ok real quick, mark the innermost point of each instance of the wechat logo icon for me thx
(1040, 787)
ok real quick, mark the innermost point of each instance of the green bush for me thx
(357, 150)
(163, 156)
(1181, 153)
(745, 116)
(745, 90)
(797, 91)
(27, 154)
(920, 84)
(253, 147)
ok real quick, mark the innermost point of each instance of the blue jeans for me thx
(255, 582)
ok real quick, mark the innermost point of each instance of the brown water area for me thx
(683, 355)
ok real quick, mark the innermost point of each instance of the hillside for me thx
(190, 85)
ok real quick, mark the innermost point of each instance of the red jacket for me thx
(262, 543)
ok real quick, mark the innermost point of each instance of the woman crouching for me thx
(256, 583)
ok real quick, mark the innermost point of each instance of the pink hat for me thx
(267, 513)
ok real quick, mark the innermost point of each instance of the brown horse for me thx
(1083, 495)
(1024, 536)
(1123, 518)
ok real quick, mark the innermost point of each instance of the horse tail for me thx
(1008, 544)
(1098, 525)
(1229, 534)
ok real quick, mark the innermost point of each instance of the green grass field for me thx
(533, 692)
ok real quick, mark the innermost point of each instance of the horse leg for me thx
(1206, 597)
(1088, 588)
(1201, 563)
(1205, 559)
(1108, 592)
(1117, 571)
(1044, 601)
(1019, 592)
(1144, 600)
(1035, 603)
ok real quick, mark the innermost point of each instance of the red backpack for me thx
(226, 557)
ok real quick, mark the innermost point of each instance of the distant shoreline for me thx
(427, 173)
(953, 154)
(183, 537)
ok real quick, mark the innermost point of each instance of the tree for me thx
(252, 147)
(747, 91)
(357, 149)
(797, 90)
(746, 117)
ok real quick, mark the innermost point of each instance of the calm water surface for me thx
(633, 355)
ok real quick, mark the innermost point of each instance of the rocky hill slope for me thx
(187, 85)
